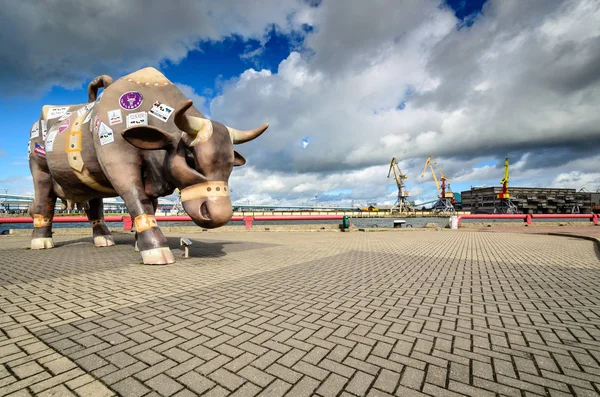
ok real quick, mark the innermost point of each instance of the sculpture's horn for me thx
(190, 124)
(238, 136)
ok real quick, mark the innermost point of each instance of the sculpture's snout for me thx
(208, 204)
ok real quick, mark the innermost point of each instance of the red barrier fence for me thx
(128, 222)
(62, 219)
(528, 218)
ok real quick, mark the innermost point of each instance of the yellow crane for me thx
(504, 205)
(445, 203)
(441, 187)
(402, 203)
(504, 182)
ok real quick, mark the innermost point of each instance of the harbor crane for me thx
(402, 204)
(503, 204)
(446, 201)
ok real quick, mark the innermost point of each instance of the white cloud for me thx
(199, 100)
(67, 42)
(523, 81)
(371, 81)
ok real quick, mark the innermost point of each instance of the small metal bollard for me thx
(186, 242)
(398, 223)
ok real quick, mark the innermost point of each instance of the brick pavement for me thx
(407, 313)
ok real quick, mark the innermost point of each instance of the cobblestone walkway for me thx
(406, 313)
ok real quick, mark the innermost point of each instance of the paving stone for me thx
(332, 385)
(163, 385)
(441, 313)
(130, 387)
(277, 388)
(94, 389)
(196, 382)
(185, 367)
(177, 355)
(150, 357)
(20, 393)
(360, 383)
(227, 379)
(57, 391)
(121, 359)
(59, 366)
(387, 381)
(26, 370)
(304, 388)
(256, 376)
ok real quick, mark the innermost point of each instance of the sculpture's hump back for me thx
(147, 76)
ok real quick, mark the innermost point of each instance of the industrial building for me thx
(532, 200)
(14, 203)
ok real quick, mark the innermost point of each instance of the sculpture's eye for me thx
(189, 159)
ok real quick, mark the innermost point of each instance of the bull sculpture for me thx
(140, 139)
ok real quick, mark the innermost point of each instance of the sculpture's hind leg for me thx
(95, 214)
(42, 208)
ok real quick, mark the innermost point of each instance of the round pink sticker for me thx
(131, 100)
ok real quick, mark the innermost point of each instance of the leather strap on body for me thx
(73, 147)
(144, 222)
(40, 220)
(206, 189)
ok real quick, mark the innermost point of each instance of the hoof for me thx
(158, 256)
(104, 241)
(42, 243)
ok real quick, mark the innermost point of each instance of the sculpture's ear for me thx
(148, 138)
(238, 159)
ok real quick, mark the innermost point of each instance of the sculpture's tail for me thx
(99, 82)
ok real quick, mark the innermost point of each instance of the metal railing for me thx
(128, 222)
(528, 218)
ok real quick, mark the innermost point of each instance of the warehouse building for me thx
(532, 200)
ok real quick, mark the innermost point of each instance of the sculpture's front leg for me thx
(150, 241)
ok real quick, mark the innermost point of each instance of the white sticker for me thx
(88, 117)
(51, 137)
(136, 119)
(85, 109)
(65, 116)
(161, 111)
(114, 117)
(44, 129)
(99, 96)
(52, 132)
(105, 134)
(35, 130)
(57, 112)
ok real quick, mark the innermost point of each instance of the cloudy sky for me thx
(345, 86)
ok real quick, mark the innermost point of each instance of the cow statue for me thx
(140, 139)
